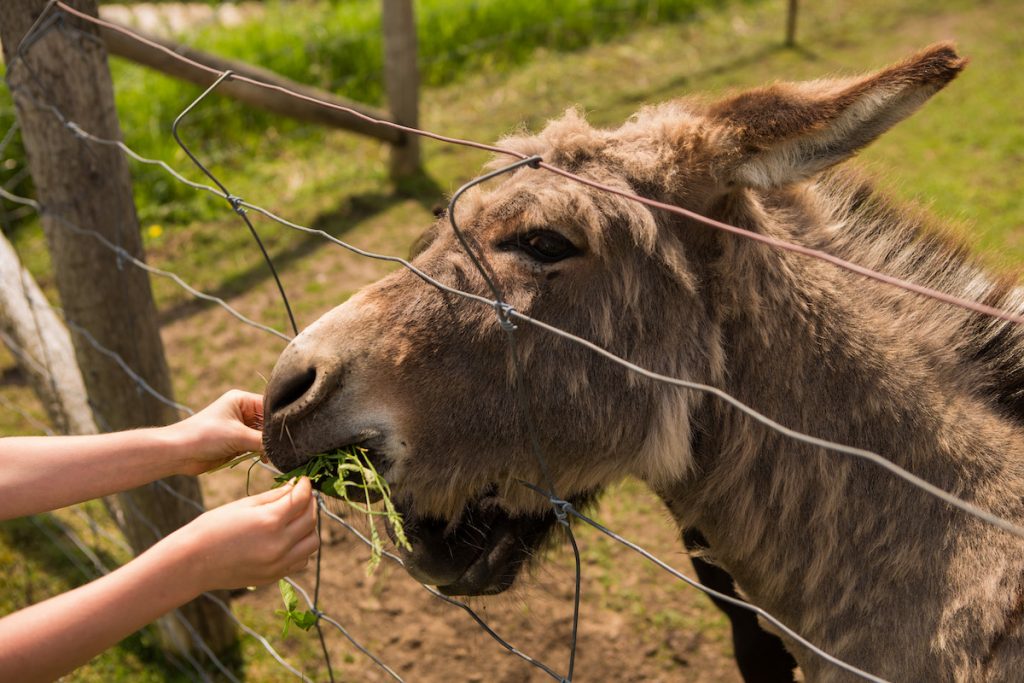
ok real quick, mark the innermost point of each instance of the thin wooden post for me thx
(791, 23)
(31, 328)
(90, 186)
(402, 82)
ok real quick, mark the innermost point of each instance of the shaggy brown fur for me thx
(869, 568)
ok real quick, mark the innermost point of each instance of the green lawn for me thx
(961, 156)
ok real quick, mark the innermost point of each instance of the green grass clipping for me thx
(349, 475)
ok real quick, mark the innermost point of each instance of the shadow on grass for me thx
(48, 563)
(353, 211)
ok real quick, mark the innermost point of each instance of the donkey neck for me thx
(811, 534)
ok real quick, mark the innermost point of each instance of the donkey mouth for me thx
(481, 553)
(288, 451)
(368, 443)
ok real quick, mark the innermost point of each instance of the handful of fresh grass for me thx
(349, 475)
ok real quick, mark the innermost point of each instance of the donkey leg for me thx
(760, 656)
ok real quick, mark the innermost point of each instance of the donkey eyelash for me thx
(545, 246)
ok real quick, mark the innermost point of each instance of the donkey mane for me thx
(867, 227)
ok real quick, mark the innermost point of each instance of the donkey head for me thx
(455, 416)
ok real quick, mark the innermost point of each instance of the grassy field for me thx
(960, 156)
(336, 46)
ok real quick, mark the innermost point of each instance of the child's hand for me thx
(229, 426)
(248, 542)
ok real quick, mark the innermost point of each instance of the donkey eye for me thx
(545, 246)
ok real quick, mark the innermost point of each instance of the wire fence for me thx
(509, 319)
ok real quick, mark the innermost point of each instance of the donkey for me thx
(865, 566)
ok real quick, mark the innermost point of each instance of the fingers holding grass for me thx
(349, 475)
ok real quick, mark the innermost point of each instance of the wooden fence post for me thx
(90, 186)
(402, 82)
(791, 23)
(122, 45)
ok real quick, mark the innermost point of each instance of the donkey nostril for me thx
(292, 389)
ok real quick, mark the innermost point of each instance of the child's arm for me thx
(251, 541)
(49, 472)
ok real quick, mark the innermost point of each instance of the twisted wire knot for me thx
(76, 130)
(562, 508)
(236, 203)
(503, 310)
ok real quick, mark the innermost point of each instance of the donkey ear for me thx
(788, 132)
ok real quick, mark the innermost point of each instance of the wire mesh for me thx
(507, 318)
